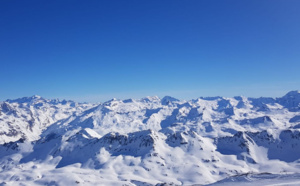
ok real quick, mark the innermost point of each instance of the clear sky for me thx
(95, 50)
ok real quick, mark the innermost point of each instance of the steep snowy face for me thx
(245, 145)
(291, 100)
(83, 148)
(27, 117)
(168, 100)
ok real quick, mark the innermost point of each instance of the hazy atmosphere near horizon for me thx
(97, 50)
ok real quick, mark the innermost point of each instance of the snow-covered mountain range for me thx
(149, 141)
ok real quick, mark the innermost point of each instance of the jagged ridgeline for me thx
(147, 141)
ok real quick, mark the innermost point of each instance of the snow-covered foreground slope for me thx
(148, 141)
(260, 179)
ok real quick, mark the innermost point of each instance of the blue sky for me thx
(95, 50)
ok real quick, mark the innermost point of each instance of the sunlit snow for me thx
(149, 141)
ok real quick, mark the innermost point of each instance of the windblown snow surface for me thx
(151, 141)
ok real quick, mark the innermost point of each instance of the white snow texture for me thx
(151, 141)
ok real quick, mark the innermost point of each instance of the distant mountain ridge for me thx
(147, 141)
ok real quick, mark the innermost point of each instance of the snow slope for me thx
(150, 141)
(27, 117)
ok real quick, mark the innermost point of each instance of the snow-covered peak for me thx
(291, 100)
(211, 98)
(150, 99)
(31, 99)
(294, 93)
(25, 118)
(168, 99)
(112, 102)
(36, 97)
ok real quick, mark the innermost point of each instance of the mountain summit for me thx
(144, 141)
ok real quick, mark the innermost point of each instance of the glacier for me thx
(151, 141)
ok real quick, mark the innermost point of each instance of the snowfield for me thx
(151, 141)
